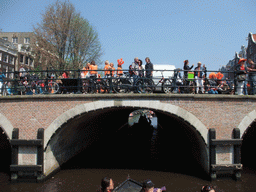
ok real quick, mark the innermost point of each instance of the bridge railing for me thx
(83, 82)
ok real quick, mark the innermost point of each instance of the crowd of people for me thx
(194, 80)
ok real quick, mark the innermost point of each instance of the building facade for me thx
(21, 40)
(8, 58)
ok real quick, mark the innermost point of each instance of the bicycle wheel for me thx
(144, 86)
(192, 87)
(167, 86)
(101, 86)
(121, 86)
(51, 88)
(35, 87)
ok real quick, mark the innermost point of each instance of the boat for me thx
(129, 185)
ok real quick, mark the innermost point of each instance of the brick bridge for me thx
(46, 131)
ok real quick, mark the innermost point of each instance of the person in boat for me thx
(207, 188)
(148, 186)
(107, 185)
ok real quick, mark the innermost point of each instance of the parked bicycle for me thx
(47, 86)
(163, 84)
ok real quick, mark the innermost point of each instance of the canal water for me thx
(136, 156)
(89, 180)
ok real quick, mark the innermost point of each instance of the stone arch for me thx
(154, 105)
(246, 122)
(51, 163)
(6, 125)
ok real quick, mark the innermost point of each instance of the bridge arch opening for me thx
(249, 143)
(103, 135)
(5, 151)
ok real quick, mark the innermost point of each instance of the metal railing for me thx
(167, 81)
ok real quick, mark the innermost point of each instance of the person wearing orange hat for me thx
(241, 77)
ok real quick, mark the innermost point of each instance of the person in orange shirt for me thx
(85, 71)
(93, 69)
(106, 68)
(120, 62)
(119, 70)
(93, 75)
(113, 72)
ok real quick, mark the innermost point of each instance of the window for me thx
(11, 60)
(5, 38)
(21, 59)
(26, 60)
(11, 75)
(26, 40)
(0, 56)
(15, 39)
(5, 58)
(31, 62)
(5, 70)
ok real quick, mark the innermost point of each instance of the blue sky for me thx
(167, 31)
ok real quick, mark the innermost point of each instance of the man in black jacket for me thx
(149, 68)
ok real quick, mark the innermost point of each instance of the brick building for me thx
(8, 58)
(21, 40)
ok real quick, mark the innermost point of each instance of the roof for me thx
(254, 37)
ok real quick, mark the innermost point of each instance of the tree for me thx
(64, 39)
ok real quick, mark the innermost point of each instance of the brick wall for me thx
(220, 112)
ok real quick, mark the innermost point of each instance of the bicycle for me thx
(147, 85)
(97, 85)
(43, 87)
(123, 84)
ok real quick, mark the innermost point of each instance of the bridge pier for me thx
(232, 146)
(27, 157)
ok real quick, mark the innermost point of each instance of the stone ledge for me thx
(129, 96)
